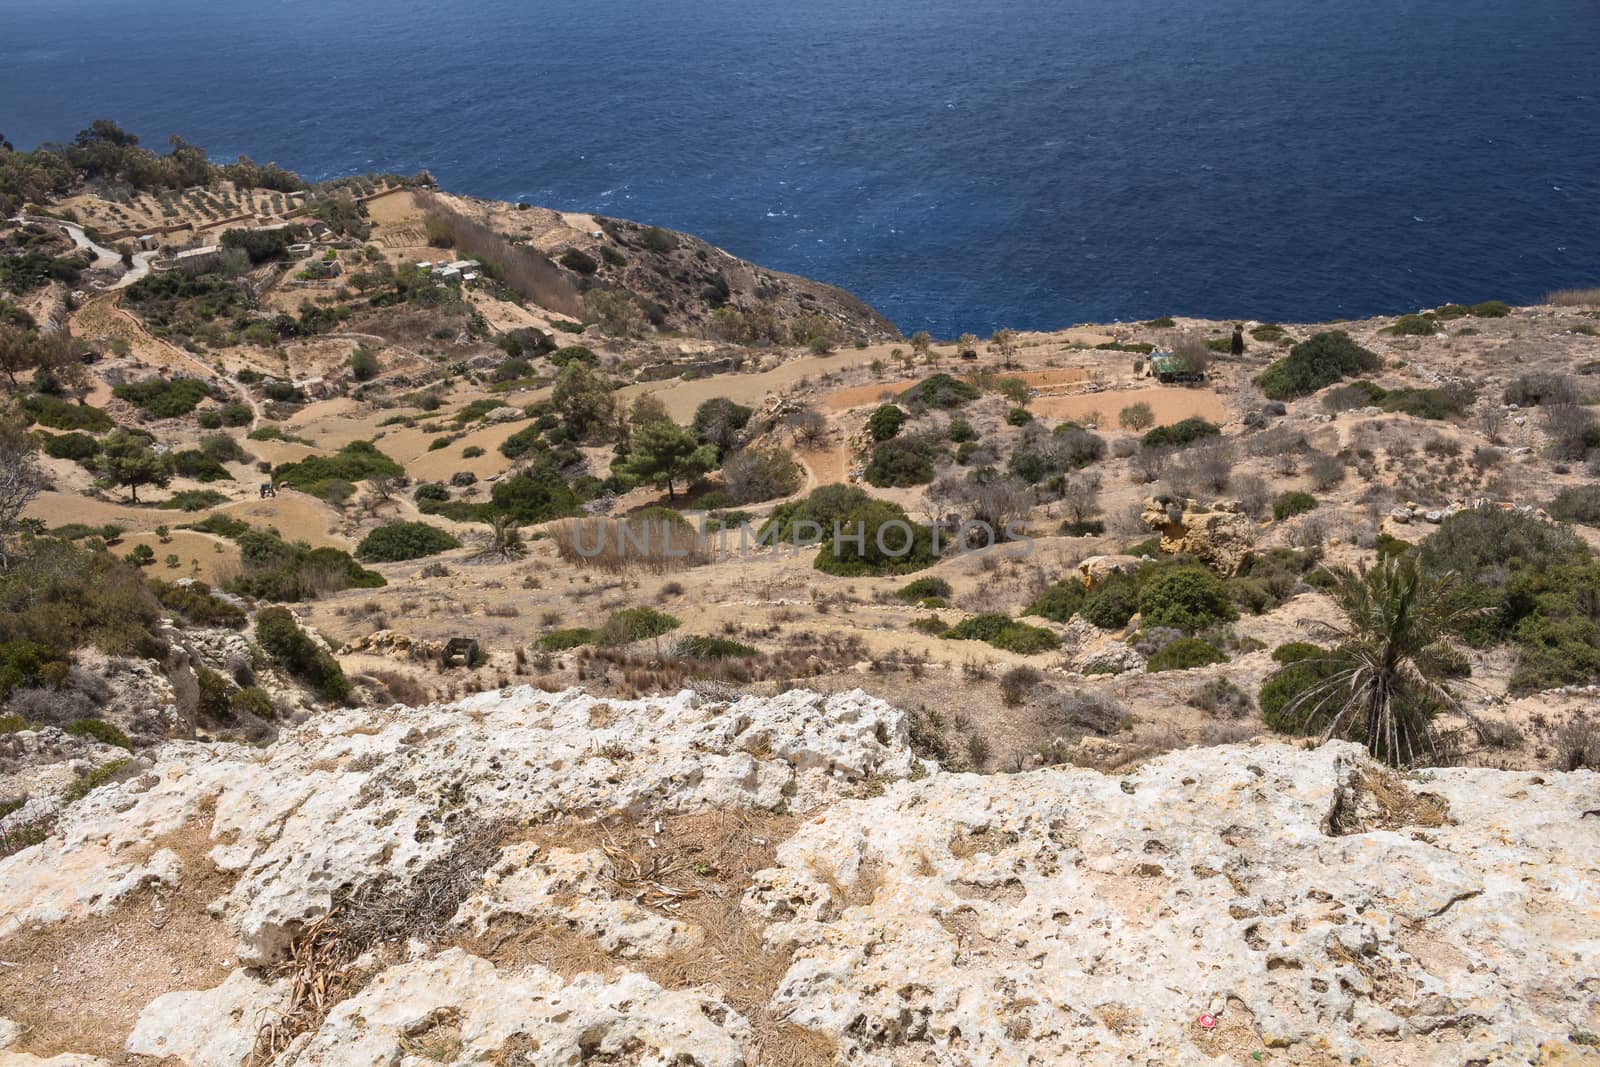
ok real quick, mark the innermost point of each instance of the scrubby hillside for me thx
(527, 877)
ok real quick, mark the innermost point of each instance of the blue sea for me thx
(960, 164)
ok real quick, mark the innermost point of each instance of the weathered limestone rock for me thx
(484, 1011)
(1221, 536)
(1093, 571)
(1315, 907)
(208, 1028)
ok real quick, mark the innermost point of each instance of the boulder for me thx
(1222, 536)
(1093, 571)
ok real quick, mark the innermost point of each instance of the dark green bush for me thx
(354, 462)
(576, 259)
(1184, 654)
(1491, 309)
(1180, 434)
(99, 730)
(252, 700)
(923, 588)
(636, 624)
(885, 422)
(539, 495)
(1019, 416)
(1185, 597)
(1113, 604)
(1290, 504)
(402, 541)
(162, 398)
(59, 414)
(941, 391)
(561, 640)
(1060, 602)
(700, 646)
(877, 537)
(193, 601)
(1579, 503)
(282, 639)
(193, 463)
(825, 506)
(1413, 326)
(1283, 699)
(1004, 633)
(73, 446)
(1315, 363)
(900, 463)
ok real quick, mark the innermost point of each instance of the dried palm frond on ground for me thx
(326, 962)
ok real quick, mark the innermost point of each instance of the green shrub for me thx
(235, 413)
(162, 398)
(1180, 434)
(1113, 604)
(636, 624)
(875, 538)
(900, 463)
(193, 463)
(1019, 416)
(402, 541)
(1081, 528)
(193, 601)
(561, 640)
(1413, 326)
(1491, 309)
(10, 724)
(1221, 697)
(1283, 701)
(1290, 504)
(252, 700)
(74, 446)
(24, 664)
(941, 391)
(59, 414)
(538, 495)
(699, 646)
(885, 422)
(99, 730)
(317, 475)
(1004, 633)
(1187, 598)
(960, 431)
(1184, 654)
(1315, 363)
(576, 259)
(1579, 503)
(289, 646)
(922, 589)
(824, 506)
(96, 778)
(215, 700)
(1060, 602)
(930, 624)
(1295, 651)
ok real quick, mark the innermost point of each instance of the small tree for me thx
(1004, 345)
(922, 345)
(127, 460)
(1080, 497)
(665, 454)
(21, 477)
(1136, 417)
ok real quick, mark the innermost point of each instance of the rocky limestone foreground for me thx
(527, 877)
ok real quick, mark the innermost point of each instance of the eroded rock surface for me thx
(680, 881)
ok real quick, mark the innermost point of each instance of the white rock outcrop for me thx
(1298, 903)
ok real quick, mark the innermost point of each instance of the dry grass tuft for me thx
(616, 546)
(1574, 298)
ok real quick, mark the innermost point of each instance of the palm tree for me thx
(1384, 679)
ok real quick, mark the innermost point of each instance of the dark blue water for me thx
(961, 164)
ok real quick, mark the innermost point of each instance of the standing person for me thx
(1237, 345)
